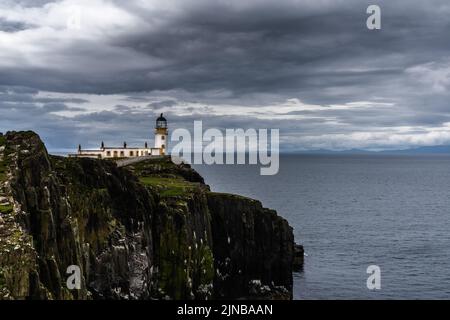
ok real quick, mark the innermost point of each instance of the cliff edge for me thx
(151, 230)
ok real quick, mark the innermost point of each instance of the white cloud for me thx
(393, 138)
(434, 76)
(51, 42)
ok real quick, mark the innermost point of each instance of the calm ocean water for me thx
(352, 211)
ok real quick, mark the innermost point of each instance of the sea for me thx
(351, 212)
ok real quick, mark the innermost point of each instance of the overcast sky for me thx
(83, 71)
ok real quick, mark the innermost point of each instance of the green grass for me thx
(163, 163)
(169, 187)
(6, 209)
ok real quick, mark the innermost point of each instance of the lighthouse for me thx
(126, 151)
(161, 133)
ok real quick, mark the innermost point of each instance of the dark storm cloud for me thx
(13, 26)
(58, 106)
(288, 47)
(22, 109)
(24, 94)
(164, 103)
(229, 53)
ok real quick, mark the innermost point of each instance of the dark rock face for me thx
(151, 230)
(299, 258)
(184, 256)
(257, 250)
(113, 225)
(79, 212)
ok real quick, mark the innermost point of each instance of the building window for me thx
(163, 146)
(122, 153)
(131, 154)
(163, 138)
(108, 153)
(115, 154)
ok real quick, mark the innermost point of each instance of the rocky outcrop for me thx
(299, 258)
(149, 230)
(258, 248)
(75, 212)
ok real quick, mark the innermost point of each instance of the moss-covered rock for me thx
(184, 248)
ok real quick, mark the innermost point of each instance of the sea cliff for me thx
(150, 230)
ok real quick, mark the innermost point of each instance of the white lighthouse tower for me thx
(161, 133)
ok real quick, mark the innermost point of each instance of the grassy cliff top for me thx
(169, 187)
(167, 178)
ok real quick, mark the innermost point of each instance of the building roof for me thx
(161, 118)
(127, 148)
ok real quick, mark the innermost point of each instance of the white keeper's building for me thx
(161, 135)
